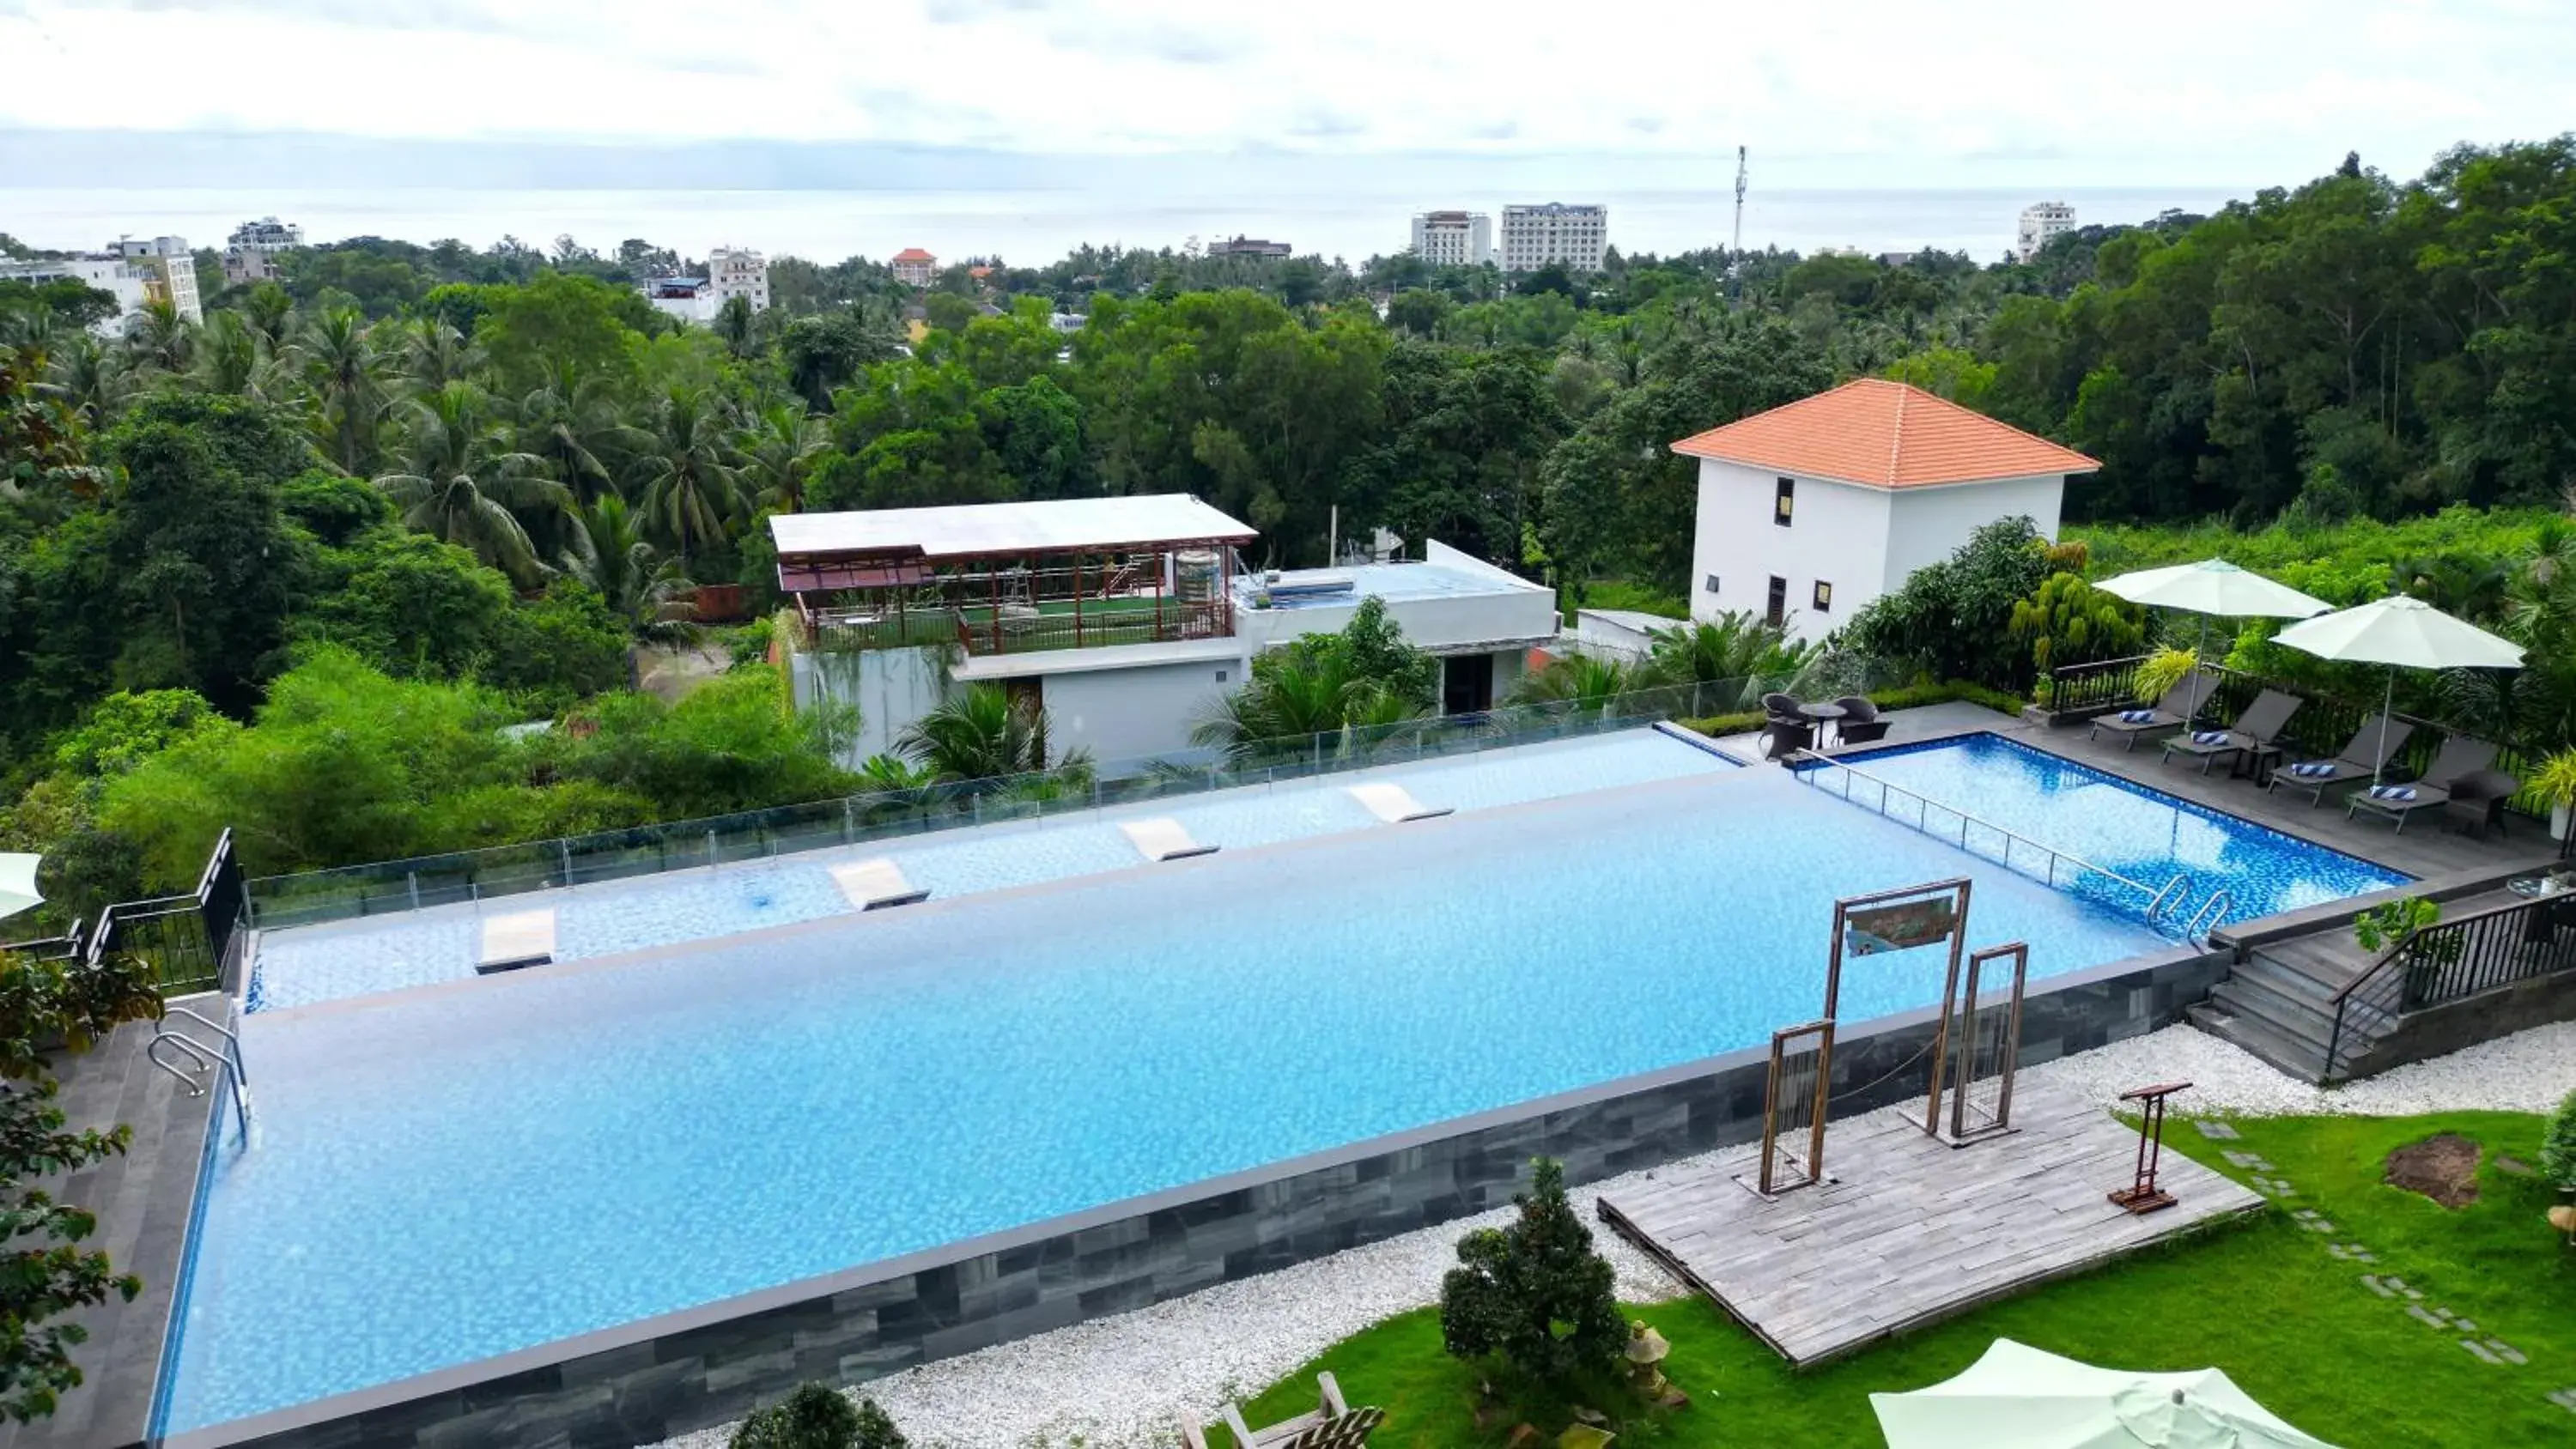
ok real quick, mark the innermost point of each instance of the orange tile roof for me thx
(914, 254)
(1884, 435)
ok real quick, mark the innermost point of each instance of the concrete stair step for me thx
(2295, 973)
(2292, 1016)
(2257, 1037)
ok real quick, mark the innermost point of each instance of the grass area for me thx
(2264, 1301)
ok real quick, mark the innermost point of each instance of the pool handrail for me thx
(1803, 763)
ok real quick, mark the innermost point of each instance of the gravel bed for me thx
(1124, 1381)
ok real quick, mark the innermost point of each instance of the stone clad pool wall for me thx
(646, 1381)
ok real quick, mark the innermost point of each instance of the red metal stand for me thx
(2142, 1195)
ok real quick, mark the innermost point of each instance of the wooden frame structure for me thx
(1795, 1097)
(2142, 1195)
(1960, 1001)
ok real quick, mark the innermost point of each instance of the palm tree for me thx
(1736, 649)
(1290, 699)
(608, 551)
(734, 322)
(230, 358)
(1588, 682)
(573, 423)
(778, 449)
(159, 339)
(435, 354)
(270, 312)
(90, 377)
(458, 484)
(978, 734)
(347, 374)
(691, 488)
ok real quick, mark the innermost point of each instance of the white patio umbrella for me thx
(2402, 633)
(18, 885)
(2018, 1397)
(2212, 586)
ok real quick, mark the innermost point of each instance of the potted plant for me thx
(2555, 782)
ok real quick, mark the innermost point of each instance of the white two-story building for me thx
(1809, 511)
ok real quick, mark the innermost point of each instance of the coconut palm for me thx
(232, 359)
(977, 734)
(573, 423)
(778, 450)
(608, 551)
(1736, 649)
(734, 322)
(340, 360)
(435, 354)
(158, 339)
(270, 312)
(690, 485)
(89, 377)
(458, 483)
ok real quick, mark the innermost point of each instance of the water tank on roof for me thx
(1194, 576)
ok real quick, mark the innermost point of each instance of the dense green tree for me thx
(458, 480)
(689, 487)
(1954, 618)
(1534, 1294)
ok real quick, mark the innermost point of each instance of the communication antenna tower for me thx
(1735, 254)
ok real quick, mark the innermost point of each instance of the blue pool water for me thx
(439, 1176)
(2145, 835)
(322, 963)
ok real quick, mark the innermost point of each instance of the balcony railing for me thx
(192, 942)
(1026, 628)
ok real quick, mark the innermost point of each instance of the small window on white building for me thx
(1784, 501)
(1712, 583)
(1775, 609)
(1824, 597)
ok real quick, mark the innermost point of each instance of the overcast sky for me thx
(1873, 92)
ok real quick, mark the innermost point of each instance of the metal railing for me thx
(2211, 915)
(395, 886)
(2451, 961)
(2322, 725)
(2036, 860)
(191, 942)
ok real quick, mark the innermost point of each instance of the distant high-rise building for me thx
(166, 268)
(1244, 246)
(2039, 222)
(1535, 235)
(136, 273)
(250, 253)
(739, 273)
(1454, 238)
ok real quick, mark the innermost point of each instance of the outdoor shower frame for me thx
(1959, 999)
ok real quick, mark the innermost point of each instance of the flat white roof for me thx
(971, 530)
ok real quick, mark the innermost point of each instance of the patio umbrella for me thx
(2402, 633)
(2212, 586)
(18, 885)
(2018, 1397)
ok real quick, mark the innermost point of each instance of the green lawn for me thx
(2265, 1301)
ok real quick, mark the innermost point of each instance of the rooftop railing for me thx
(2451, 961)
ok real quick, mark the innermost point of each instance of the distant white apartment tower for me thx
(739, 273)
(1454, 238)
(2039, 222)
(167, 269)
(1535, 235)
(250, 253)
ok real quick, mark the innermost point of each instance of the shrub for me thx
(1534, 1293)
(2558, 1145)
(818, 1416)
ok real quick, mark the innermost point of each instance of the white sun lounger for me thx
(1394, 804)
(1163, 838)
(873, 885)
(522, 938)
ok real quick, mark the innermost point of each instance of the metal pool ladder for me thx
(2212, 913)
(202, 1059)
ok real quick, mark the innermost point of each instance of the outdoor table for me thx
(1820, 715)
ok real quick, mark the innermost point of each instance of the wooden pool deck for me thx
(1908, 1230)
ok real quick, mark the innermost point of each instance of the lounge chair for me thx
(2362, 758)
(1333, 1425)
(2477, 801)
(520, 939)
(1395, 805)
(1163, 838)
(2258, 729)
(2171, 712)
(2458, 758)
(875, 885)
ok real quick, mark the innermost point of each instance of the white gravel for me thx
(1124, 1381)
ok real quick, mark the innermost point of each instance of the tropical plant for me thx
(978, 733)
(347, 376)
(2394, 923)
(608, 551)
(2160, 671)
(572, 421)
(158, 339)
(1737, 647)
(47, 1007)
(1290, 700)
(2071, 622)
(458, 483)
(1534, 1293)
(89, 376)
(778, 450)
(435, 354)
(893, 772)
(2558, 1145)
(1589, 682)
(818, 1416)
(690, 485)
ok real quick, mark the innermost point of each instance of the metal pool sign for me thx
(1901, 925)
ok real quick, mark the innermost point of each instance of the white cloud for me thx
(2276, 88)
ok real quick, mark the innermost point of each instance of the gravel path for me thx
(1123, 1381)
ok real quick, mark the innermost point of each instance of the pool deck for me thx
(143, 1201)
(1906, 1230)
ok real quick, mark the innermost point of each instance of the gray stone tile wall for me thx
(646, 1381)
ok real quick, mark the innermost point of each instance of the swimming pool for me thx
(446, 1174)
(2146, 835)
(309, 964)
